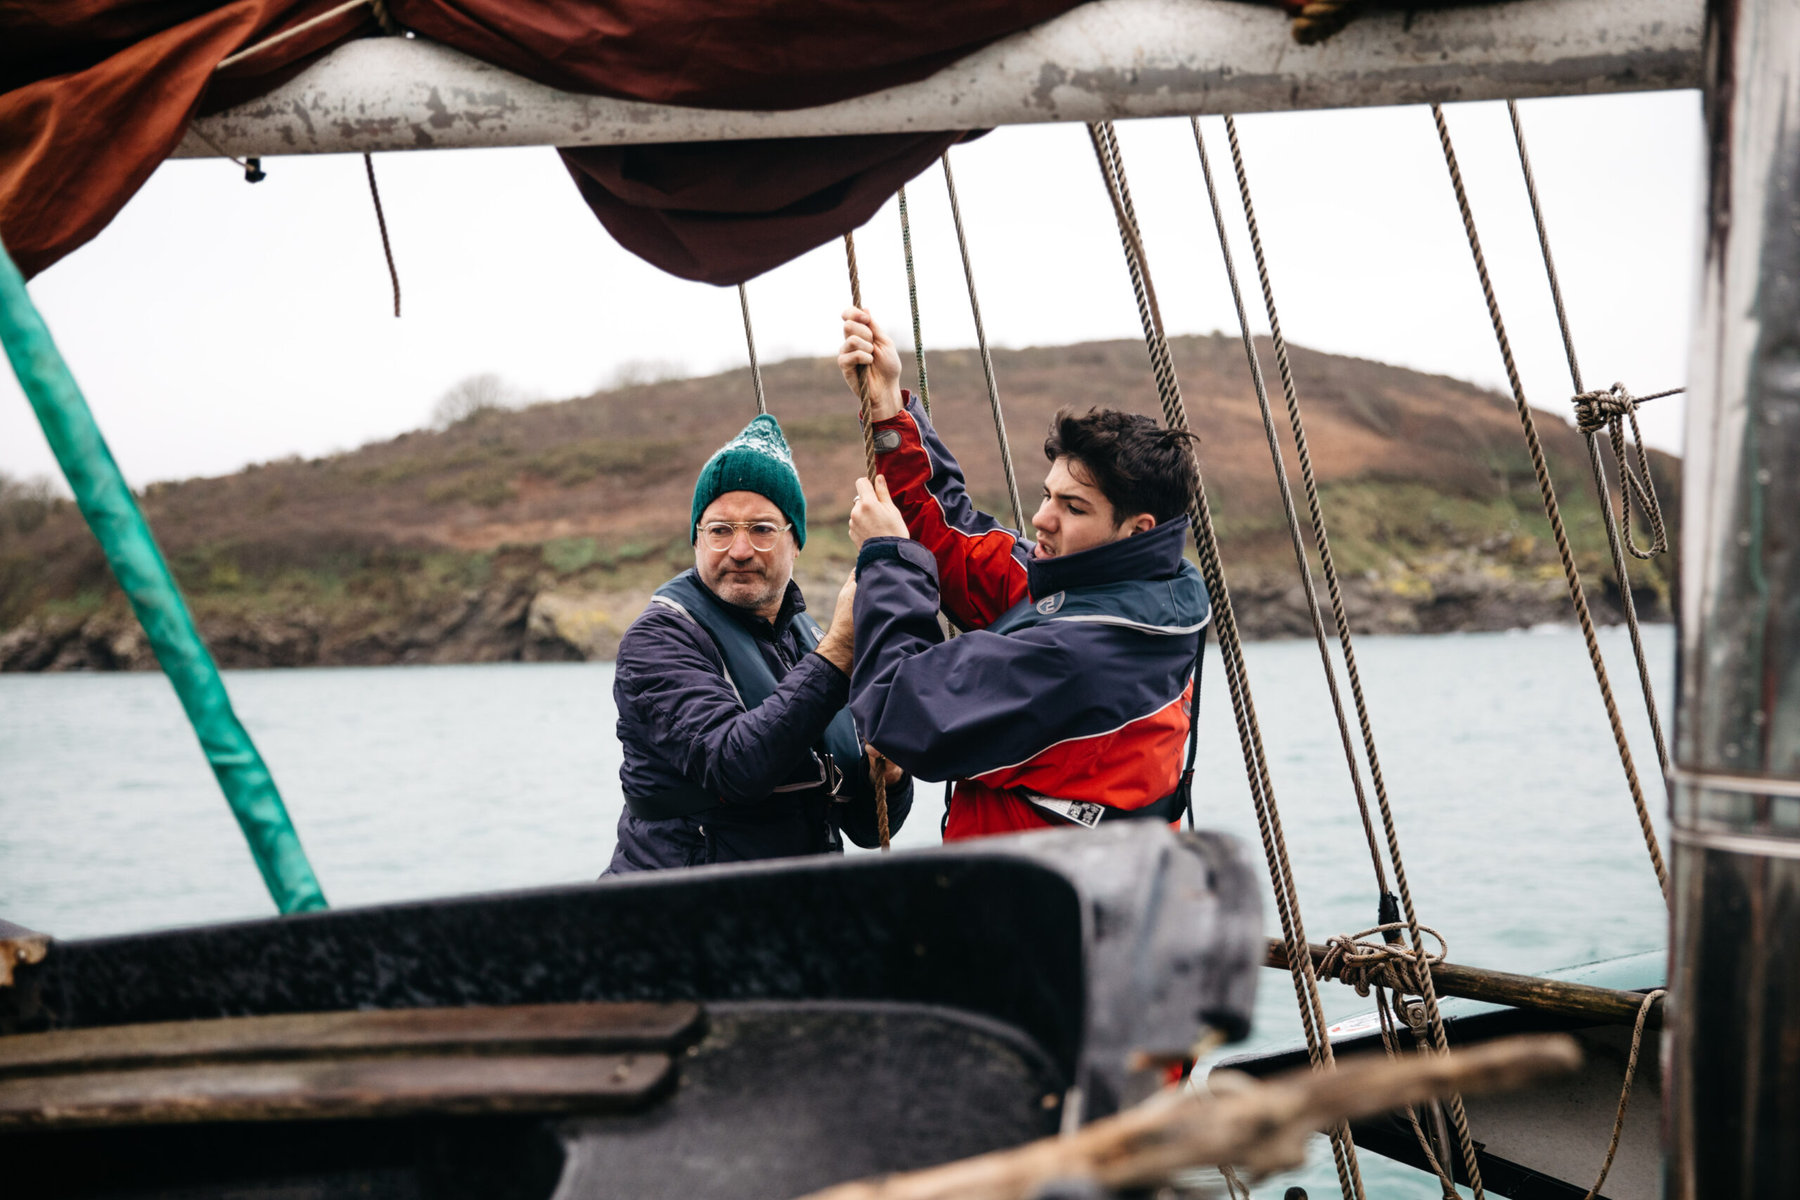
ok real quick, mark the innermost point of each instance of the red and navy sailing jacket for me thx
(1073, 679)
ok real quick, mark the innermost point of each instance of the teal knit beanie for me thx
(756, 460)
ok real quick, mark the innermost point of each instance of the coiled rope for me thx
(1421, 977)
(877, 764)
(1551, 509)
(1608, 410)
(1268, 817)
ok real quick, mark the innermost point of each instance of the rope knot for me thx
(1594, 411)
(1379, 964)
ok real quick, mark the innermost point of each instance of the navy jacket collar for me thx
(1152, 555)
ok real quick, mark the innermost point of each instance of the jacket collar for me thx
(792, 604)
(1152, 555)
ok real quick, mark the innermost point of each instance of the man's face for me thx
(1076, 516)
(741, 575)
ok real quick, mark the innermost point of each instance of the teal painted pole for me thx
(112, 513)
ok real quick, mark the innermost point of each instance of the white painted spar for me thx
(1103, 60)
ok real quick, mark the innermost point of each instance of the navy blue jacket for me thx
(680, 719)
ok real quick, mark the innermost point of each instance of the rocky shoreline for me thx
(521, 619)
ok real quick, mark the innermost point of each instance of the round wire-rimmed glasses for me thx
(720, 534)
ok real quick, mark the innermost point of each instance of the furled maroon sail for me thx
(96, 93)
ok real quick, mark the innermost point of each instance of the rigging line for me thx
(1637, 1042)
(762, 405)
(877, 762)
(1627, 482)
(987, 360)
(1551, 509)
(311, 23)
(1281, 478)
(1426, 990)
(912, 295)
(1268, 817)
(387, 247)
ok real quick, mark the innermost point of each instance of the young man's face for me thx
(740, 574)
(1076, 516)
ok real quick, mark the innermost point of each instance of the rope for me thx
(762, 405)
(1256, 769)
(878, 766)
(1281, 479)
(1322, 541)
(987, 360)
(381, 16)
(1364, 965)
(1319, 19)
(387, 247)
(1637, 1042)
(1594, 411)
(912, 295)
(1551, 509)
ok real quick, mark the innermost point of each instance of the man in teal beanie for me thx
(737, 743)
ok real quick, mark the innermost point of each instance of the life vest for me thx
(838, 752)
(1158, 607)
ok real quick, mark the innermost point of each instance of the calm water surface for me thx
(1520, 842)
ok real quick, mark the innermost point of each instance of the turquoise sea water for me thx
(1520, 842)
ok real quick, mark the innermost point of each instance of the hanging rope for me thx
(877, 765)
(1608, 410)
(1268, 818)
(1551, 509)
(762, 405)
(987, 360)
(1637, 1042)
(387, 247)
(912, 295)
(1322, 542)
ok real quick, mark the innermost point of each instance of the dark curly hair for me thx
(1138, 465)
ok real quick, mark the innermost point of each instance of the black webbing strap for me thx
(1185, 789)
(686, 801)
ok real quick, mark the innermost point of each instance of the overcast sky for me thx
(216, 323)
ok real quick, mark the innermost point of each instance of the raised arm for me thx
(981, 563)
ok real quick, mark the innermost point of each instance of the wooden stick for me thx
(1261, 1126)
(1610, 1005)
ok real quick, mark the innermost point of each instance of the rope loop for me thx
(1380, 964)
(1594, 411)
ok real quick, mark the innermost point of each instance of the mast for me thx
(1733, 1100)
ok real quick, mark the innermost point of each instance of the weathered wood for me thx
(511, 1030)
(1260, 1126)
(1518, 991)
(1109, 60)
(19, 946)
(334, 1089)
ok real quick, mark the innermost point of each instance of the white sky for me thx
(216, 324)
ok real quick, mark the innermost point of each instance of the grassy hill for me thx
(537, 532)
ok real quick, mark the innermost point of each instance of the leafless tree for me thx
(471, 397)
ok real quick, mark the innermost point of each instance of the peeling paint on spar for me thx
(1109, 59)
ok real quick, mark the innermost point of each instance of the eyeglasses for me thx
(720, 534)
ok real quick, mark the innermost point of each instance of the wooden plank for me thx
(335, 1089)
(1609, 1005)
(509, 1030)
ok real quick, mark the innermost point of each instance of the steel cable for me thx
(1268, 817)
(1322, 542)
(1551, 509)
(1628, 483)
(762, 405)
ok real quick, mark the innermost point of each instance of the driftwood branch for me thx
(1260, 1126)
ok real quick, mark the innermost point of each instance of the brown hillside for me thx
(595, 491)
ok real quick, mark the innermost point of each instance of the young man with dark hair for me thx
(1067, 702)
